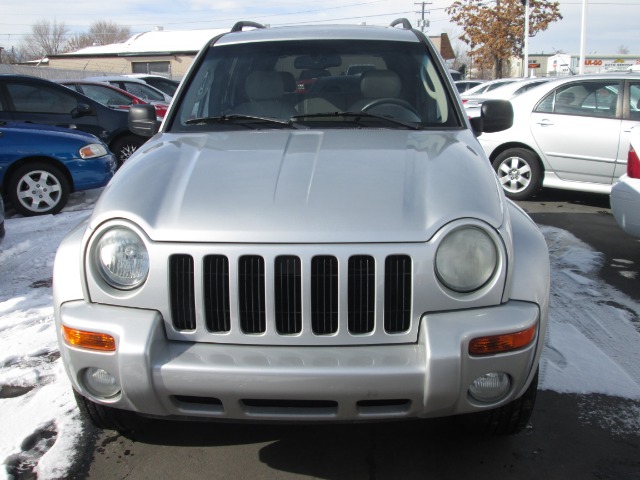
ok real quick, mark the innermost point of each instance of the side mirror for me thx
(143, 120)
(81, 110)
(495, 116)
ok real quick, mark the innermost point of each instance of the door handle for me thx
(545, 123)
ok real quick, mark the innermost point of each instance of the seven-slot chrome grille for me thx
(285, 287)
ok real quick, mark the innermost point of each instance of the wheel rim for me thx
(39, 191)
(514, 174)
(126, 151)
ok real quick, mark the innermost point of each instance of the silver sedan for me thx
(625, 194)
(570, 133)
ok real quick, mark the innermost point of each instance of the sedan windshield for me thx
(318, 84)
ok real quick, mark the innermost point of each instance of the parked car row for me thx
(35, 100)
(112, 96)
(135, 86)
(507, 91)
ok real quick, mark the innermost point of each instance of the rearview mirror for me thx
(495, 116)
(81, 110)
(143, 120)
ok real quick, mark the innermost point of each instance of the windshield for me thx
(317, 83)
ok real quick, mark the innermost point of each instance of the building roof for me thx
(154, 42)
(169, 42)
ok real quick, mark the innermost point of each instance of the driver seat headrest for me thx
(380, 84)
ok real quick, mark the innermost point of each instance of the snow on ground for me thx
(591, 346)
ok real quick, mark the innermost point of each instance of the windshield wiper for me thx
(357, 116)
(248, 121)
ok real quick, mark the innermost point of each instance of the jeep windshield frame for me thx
(309, 82)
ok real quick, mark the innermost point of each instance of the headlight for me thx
(121, 258)
(466, 259)
(92, 150)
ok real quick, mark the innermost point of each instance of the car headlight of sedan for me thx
(92, 150)
(121, 258)
(466, 259)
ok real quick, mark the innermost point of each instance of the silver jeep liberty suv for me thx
(312, 234)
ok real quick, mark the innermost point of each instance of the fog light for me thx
(100, 383)
(490, 387)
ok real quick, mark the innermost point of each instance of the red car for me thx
(111, 96)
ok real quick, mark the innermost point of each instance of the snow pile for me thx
(591, 346)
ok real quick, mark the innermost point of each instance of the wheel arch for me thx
(123, 134)
(509, 145)
(36, 159)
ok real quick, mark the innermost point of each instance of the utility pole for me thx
(422, 23)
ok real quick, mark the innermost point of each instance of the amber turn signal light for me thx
(502, 343)
(89, 340)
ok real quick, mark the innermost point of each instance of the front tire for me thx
(38, 189)
(519, 172)
(109, 418)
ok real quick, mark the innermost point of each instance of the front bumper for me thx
(430, 378)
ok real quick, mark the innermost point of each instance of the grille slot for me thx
(397, 293)
(182, 299)
(216, 293)
(362, 278)
(324, 295)
(288, 294)
(341, 295)
(251, 300)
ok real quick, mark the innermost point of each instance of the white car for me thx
(487, 86)
(570, 133)
(625, 193)
(464, 85)
(506, 91)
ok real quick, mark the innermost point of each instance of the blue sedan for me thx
(41, 165)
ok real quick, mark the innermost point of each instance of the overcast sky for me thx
(610, 24)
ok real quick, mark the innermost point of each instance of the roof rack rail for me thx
(406, 24)
(240, 25)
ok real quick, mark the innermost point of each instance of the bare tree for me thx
(623, 50)
(105, 32)
(46, 38)
(102, 32)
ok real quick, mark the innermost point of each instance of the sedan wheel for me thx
(519, 173)
(38, 189)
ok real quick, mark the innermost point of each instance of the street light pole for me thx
(526, 38)
(583, 37)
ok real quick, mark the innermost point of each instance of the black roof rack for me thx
(406, 24)
(240, 25)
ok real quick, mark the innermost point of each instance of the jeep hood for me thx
(326, 186)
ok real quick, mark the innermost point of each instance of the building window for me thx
(158, 68)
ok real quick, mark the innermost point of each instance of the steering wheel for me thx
(391, 101)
